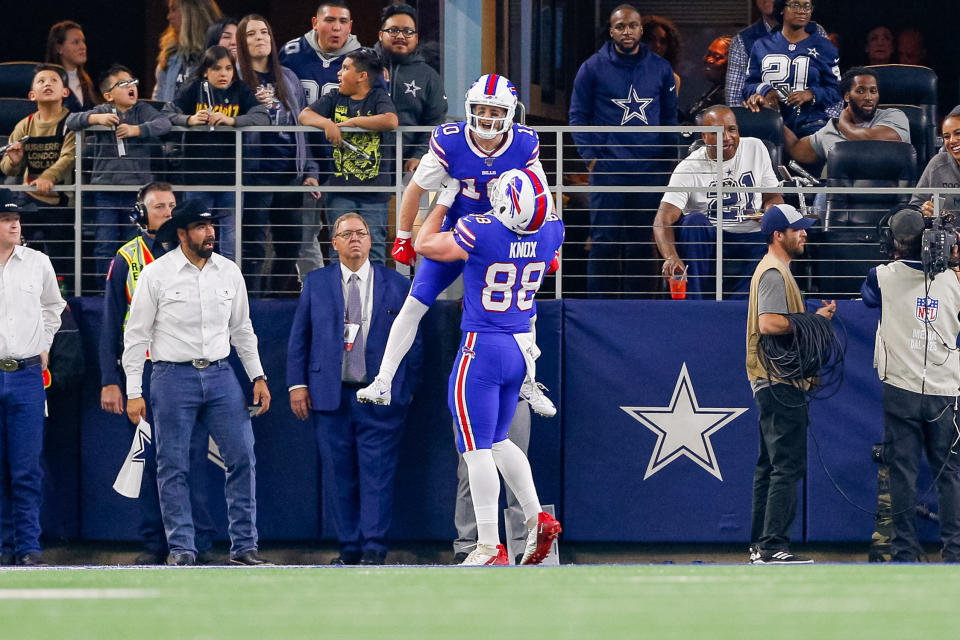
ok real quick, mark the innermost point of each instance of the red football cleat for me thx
(540, 538)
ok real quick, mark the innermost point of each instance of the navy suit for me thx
(358, 442)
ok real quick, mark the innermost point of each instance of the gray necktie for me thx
(356, 367)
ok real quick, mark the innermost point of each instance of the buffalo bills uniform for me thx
(501, 277)
(785, 67)
(453, 153)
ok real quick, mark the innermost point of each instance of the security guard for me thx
(155, 203)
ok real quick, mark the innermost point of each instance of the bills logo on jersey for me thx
(927, 309)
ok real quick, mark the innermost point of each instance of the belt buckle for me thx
(9, 365)
(200, 363)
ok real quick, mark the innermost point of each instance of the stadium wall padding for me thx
(655, 440)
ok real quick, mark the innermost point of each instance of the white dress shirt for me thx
(30, 304)
(183, 313)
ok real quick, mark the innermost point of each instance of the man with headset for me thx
(917, 360)
(155, 204)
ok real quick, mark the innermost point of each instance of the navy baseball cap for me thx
(8, 203)
(783, 216)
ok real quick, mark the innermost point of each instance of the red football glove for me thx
(403, 251)
(554, 264)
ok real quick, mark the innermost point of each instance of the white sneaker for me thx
(532, 392)
(377, 392)
(485, 554)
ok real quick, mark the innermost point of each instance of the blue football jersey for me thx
(454, 148)
(786, 67)
(503, 272)
(317, 75)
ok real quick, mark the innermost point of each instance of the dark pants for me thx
(282, 212)
(358, 449)
(914, 424)
(780, 464)
(621, 259)
(697, 246)
(111, 220)
(184, 397)
(21, 442)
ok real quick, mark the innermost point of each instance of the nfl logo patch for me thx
(927, 309)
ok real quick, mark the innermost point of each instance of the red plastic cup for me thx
(678, 287)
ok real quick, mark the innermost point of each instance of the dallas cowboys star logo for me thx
(812, 52)
(633, 106)
(411, 88)
(683, 428)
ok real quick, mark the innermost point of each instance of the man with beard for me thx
(190, 305)
(415, 87)
(859, 120)
(781, 404)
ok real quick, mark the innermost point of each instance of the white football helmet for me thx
(495, 91)
(521, 200)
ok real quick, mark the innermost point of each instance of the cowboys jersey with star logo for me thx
(782, 66)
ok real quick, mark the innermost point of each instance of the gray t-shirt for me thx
(771, 298)
(824, 140)
(944, 172)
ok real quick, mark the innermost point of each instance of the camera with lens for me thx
(937, 242)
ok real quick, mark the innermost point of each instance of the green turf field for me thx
(587, 601)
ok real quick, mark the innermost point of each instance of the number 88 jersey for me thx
(454, 153)
(503, 272)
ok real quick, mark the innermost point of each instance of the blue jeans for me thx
(697, 245)
(21, 442)
(280, 212)
(374, 213)
(182, 398)
(222, 201)
(111, 217)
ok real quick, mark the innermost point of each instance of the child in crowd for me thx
(44, 160)
(358, 156)
(121, 156)
(215, 98)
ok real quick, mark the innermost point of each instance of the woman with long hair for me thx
(663, 38)
(223, 32)
(182, 43)
(274, 158)
(67, 47)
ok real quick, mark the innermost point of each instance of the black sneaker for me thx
(771, 556)
(460, 556)
(754, 554)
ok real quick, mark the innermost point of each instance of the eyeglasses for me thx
(620, 27)
(802, 7)
(347, 235)
(132, 82)
(395, 31)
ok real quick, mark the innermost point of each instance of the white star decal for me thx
(813, 52)
(633, 106)
(683, 428)
(411, 88)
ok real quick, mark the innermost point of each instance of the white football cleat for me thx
(532, 392)
(486, 555)
(377, 392)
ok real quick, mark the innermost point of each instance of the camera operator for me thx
(917, 360)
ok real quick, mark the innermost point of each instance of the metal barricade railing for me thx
(628, 265)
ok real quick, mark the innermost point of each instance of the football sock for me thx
(515, 468)
(402, 334)
(485, 491)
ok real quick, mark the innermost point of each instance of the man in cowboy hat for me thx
(188, 307)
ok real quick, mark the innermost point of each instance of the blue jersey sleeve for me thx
(467, 229)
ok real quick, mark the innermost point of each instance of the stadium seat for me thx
(923, 132)
(849, 243)
(908, 84)
(12, 111)
(766, 125)
(15, 79)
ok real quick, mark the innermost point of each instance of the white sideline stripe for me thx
(74, 594)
